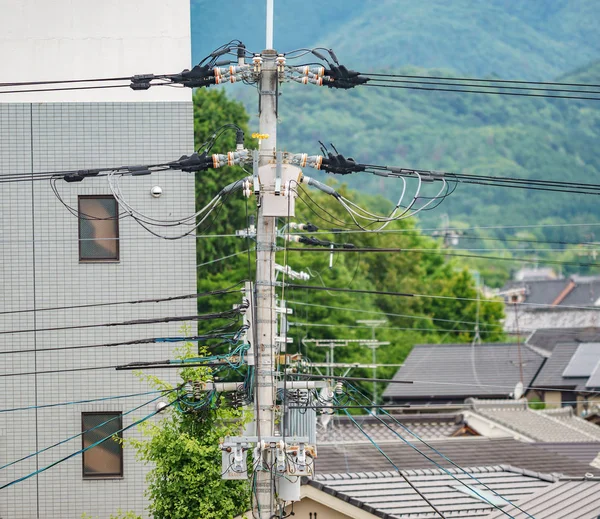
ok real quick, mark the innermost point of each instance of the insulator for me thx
(339, 387)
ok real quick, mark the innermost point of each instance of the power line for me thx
(443, 468)
(410, 483)
(442, 253)
(464, 91)
(78, 402)
(203, 317)
(95, 444)
(482, 80)
(155, 340)
(432, 296)
(134, 302)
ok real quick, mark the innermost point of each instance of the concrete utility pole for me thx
(374, 323)
(266, 232)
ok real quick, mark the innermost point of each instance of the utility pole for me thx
(374, 323)
(266, 232)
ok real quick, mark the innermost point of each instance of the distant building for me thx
(535, 274)
(450, 373)
(532, 304)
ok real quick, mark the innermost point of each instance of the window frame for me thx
(118, 230)
(115, 475)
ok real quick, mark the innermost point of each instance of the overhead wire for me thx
(447, 472)
(62, 442)
(85, 449)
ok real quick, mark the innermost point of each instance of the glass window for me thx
(98, 228)
(105, 459)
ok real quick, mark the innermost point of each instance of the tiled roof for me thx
(388, 495)
(548, 338)
(453, 372)
(551, 373)
(562, 500)
(430, 426)
(540, 291)
(465, 452)
(580, 451)
(560, 425)
(585, 293)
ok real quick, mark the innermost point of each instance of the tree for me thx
(183, 448)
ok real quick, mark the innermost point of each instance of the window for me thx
(106, 459)
(98, 228)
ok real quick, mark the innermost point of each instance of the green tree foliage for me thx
(419, 268)
(183, 449)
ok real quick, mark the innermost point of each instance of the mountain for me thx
(510, 38)
(542, 138)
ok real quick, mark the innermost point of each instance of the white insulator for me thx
(339, 387)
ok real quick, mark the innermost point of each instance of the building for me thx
(55, 266)
(450, 373)
(501, 418)
(532, 304)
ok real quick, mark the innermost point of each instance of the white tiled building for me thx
(43, 265)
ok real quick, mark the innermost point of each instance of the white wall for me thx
(82, 39)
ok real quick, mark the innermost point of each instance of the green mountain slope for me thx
(511, 38)
(497, 135)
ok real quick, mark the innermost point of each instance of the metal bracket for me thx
(278, 175)
(256, 183)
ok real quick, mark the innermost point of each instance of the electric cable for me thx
(432, 296)
(77, 402)
(228, 290)
(412, 446)
(203, 317)
(45, 449)
(95, 444)
(395, 466)
(465, 91)
(446, 253)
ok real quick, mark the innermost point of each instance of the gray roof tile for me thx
(453, 372)
(548, 338)
(550, 375)
(559, 425)
(581, 451)
(391, 496)
(427, 426)
(465, 452)
(562, 500)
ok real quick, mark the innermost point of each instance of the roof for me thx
(542, 291)
(457, 371)
(388, 495)
(548, 338)
(580, 451)
(550, 376)
(427, 426)
(585, 293)
(465, 452)
(556, 425)
(564, 499)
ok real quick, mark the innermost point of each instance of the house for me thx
(571, 374)
(482, 492)
(363, 456)
(341, 429)
(450, 373)
(501, 418)
(532, 304)
(62, 273)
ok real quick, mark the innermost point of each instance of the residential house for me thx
(571, 374)
(501, 418)
(450, 373)
(551, 303)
